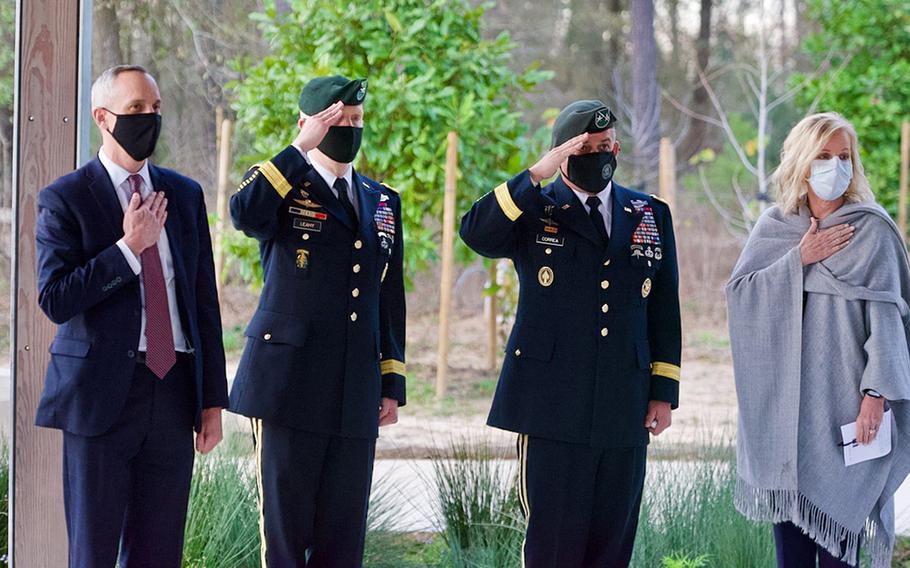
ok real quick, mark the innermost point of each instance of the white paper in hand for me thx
(854, 452)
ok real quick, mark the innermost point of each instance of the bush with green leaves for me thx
(430, 71)
(870, 42)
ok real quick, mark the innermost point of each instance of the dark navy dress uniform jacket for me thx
(597, 330)
(327, 339)
(86, 286)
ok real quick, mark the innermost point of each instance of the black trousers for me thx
(795, 549)
(581, 503)
(314, 490)
(126, 491)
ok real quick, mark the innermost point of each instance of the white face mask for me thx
(830, 178)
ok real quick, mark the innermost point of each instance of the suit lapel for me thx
(367, 202)
(624, 220)
(326, 197)
(106, 196)
(571, 212)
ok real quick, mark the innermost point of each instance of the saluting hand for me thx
(659, 417)
(142, 222)
(388, 411)
(314, 128)
(817, 245)
(549, 164)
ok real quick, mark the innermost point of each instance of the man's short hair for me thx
(104, 84)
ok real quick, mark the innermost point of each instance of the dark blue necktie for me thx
(600, 226)
(341, 186)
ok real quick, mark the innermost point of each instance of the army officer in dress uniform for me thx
(592, 364)
(323, 365)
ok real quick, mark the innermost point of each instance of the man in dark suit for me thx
(592, 364)
(125, 269)
(323, 365)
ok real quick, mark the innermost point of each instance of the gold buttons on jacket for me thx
(548, 251)
(356, 268)
(267, 336)
(607, 263)
(604, 332)
(353, 316)
(306, 236)
(605, 308)
(604, 284)
(355, 292)
(518, 352)
(358, 244)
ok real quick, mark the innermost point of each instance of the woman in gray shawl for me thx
(818, 311)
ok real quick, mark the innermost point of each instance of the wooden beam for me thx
(48, 48)
(667, 173)
(225, 128)
(445, 279)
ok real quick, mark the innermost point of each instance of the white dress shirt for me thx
(605, 206)
(330, 178)
(120, 180)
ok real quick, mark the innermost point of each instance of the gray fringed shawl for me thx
(806, 342)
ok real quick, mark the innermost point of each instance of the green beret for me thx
(322, 92)
(579, 117)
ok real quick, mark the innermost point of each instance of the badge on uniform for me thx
(638, 204)
(307, 203)
(384, 219)
(646, 243)
(304, 225)
(549, 225)
(545, 276)
(303, 258)
(307, 213)
(646, 288)
(550, 241)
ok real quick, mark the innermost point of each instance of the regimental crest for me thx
(545, 276)
(646, 288)
(362, 91)
(601, 119)
(303, 258)
(607, 172)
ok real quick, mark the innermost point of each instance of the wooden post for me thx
(445, 279)
(905, 174)
(44, 148)
(667, 176)
(490, 312)
(224, 170)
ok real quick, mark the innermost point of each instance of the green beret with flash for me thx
(580, 117)
(322, 92)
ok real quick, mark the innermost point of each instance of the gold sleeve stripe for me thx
(275, 178)
(391, 366)
(504, 198)
(665, 370)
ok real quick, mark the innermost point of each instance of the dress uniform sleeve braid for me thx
(255, 205)
(392, 317)
(664, 327)
(489, 228)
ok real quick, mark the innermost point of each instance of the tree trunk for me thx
(645, 91)
(106, 36)
(697, 136)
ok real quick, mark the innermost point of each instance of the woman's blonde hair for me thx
(803, 145)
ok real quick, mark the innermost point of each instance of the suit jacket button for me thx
(267, 336)
(607, 263)
(605, 308)
(130, 354)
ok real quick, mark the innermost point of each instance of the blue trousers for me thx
(126, 491)
(795, 549)
(581, 503)
(314, 491)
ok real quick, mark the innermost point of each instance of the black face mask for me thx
(341, 143)
(137, 133)
(592, 172)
